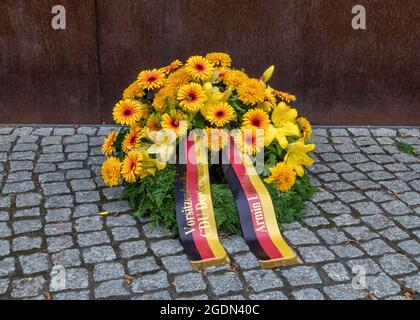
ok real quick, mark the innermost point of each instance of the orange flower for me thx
(256, 118)
(175, 121)
(151, 79)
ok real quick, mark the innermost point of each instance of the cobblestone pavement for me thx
(368, 215)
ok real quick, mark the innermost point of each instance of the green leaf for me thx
(406, 148)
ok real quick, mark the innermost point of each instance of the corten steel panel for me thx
(134, 35)
(362, 76)
(48, 76)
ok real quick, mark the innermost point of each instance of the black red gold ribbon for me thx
(256, 211)
(194, 208)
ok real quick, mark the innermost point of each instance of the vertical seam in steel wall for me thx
(98, 55)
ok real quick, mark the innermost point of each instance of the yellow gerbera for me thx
(127, 112)
(151, 79)
(297, 157)
(153, 123)
(131, 166)
(164, 98)
(111, 171)
(256, 118)
(108, 145)
(249, 140)
(282, 177)
(133, 91)
(199, 68)
(220, 114)
(284, 96)
(251, 92)
(172, 67)
(175, 121)
(305, 127)
(178, 78)
(192, 97)
(234, 78)
(217, 139)
(131, 140)
(219, 59)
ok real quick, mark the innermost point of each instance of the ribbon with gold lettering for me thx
(194, 208)
(256, 211)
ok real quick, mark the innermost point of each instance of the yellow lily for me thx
(163, 144)
(267, 74)
(283, 118)
(214, 96)
(149, 165)
(297, 157)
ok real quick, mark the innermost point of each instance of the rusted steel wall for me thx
(46, 75)
(340, 75)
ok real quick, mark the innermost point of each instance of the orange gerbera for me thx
(131, 140)
(178, 78)
(153, 124)
(175, 121)
(219, 59)
(234, 78)
(172, 67)
(249, 140)
(131, 166)
(217, 138)
(164, 98)
(251, 92)
(199, 68)
(133, 91)
(151, 79)
(127, 112)
(284, 96)
(192, 97)
(220, 114)
(305, 126)
(108, 145)
(256, 118)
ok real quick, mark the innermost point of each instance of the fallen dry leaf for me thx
(48, 295)
(372, 296)
(352, 241)
(129, 279)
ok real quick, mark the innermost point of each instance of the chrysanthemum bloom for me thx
(234, 78)
(282, 177)
(175, 121)
(220, 114)
(108, 145)
(177, 79)
(111, 171)
(284, 96)
(199, 68)
(219, 59)
(131, 140)
(153, 123)
(133, 91)
(297, 157)
(251, 92)
(131, 166)
(249, 140)
(151, 79)
(256, 118)
(172, 67)
(305, 127)
(164, 98)
(191, 97)
(217, 138)
(127, 112)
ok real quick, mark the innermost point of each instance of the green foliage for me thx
(155, 197)
(406, 148)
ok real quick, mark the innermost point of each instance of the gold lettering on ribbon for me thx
(202, 205)
(188, 210)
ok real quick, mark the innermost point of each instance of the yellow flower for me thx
(297, 157)
(305, 127)
(175, 121)
(127, 112)
(151, 79)
(219, 74)
(191, 97)
(163, 144)
(131, 140)
(285, 96)
(217, 139)
(219, 59)
(251, 92)
(283, 118)
(256, 118)
(178, 78)
(108, 145)
(111, 171)
(199, 68)
(172, 67)
(133, 91)
(282, 177)
(153, 123)
(234, 78)
(164, 98)
(149, 165)
(249, 140)
(220, 114)
(267, 74)
(131, 166)
(214, 96)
